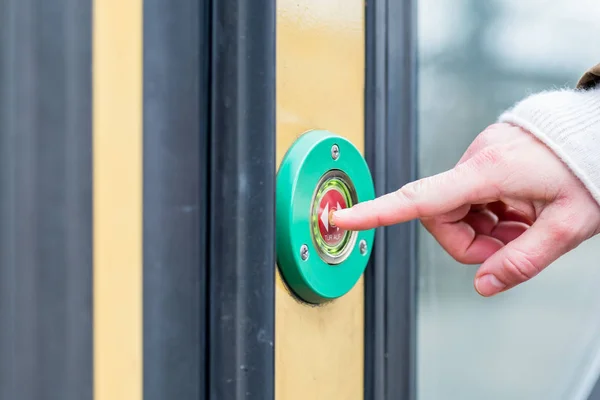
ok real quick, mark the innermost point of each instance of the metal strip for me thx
(118, 236)
(45, 200)
(242, 201)
(390, 301)
(176, 95)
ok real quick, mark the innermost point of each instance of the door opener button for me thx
(334, 192)
(331, 201)
(320, 173)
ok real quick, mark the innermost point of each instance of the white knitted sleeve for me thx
(568, 122)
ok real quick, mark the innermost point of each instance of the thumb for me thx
(526, 256)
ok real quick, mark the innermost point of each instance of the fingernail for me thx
(488, 285)
(344, 212)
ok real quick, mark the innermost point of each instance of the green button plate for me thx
(307, 162)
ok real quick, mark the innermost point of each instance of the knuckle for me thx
(519, 266)
(490, 156)
(411, 190)
(563, 230)
(409, 194)
(460, 256)
(481, 141)
(417, 195)
(484, 182)
(490, 134)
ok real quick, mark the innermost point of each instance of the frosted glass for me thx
(542, 339)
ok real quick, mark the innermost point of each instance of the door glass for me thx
(540, 340)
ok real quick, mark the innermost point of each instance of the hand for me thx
(509, 204)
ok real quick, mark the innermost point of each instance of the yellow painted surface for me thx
(117, 114)
(320, 83)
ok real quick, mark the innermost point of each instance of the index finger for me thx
(464, 184)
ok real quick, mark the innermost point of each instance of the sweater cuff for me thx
(568, 122)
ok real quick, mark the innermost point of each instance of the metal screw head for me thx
(304, 252)
(335, 152)
(363, 247)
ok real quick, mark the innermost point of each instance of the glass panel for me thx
(540, 340)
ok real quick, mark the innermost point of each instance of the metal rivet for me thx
(363, 247)
(335, 152)
(304, 252)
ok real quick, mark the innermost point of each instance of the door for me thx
(139, 144)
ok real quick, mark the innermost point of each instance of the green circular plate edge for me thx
(304, 163)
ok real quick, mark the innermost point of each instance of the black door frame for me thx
(175, 198)
(209, 199)
(242, 201)
(391, 151)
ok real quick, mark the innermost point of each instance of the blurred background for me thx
(542, 339)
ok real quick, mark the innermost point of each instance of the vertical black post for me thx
(390, 128)
(242, 202)
(375, 153)
(176, 121)
(45, 200)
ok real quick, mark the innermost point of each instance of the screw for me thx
(363, 247)
(335, 152)
(304, 252)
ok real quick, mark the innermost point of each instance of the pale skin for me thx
(509, 204)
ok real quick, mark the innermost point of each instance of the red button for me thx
(331, 201)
